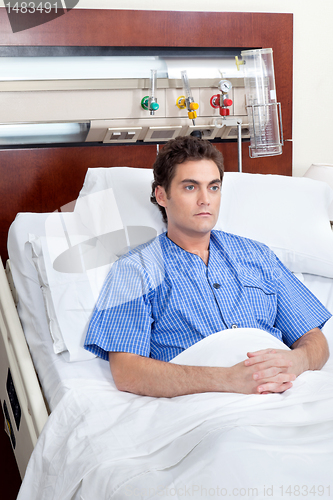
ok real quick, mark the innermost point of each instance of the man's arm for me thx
(313, 348)
(151, 377)
(266, 371)
(309, 352)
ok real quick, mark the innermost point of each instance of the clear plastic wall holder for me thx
(264, 112)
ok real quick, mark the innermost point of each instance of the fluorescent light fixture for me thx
(80, 68)
(42, 133)
(114, 67)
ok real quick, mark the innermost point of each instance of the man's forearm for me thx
(313, 349)
(150, 377)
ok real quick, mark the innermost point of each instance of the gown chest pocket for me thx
(261, 298)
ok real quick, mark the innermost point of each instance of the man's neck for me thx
(198, 245)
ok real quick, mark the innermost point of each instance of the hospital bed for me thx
(76, 459)
(101, 443)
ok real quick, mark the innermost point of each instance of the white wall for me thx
(313, 70)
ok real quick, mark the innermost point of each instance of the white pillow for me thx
(71, 267)
(78, 249)
(322, 172)
(131, 188)
(289, 214)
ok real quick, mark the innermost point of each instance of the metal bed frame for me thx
(22, 401)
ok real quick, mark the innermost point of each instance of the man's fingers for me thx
(258, 353)
(262, 378)
(274, 375)
(265, 374)
(259, 357)
(268, 360)
(272, 387)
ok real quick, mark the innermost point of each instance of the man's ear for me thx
(160, 196)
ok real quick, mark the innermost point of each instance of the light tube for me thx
(42, 133)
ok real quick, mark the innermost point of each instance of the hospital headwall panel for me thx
(45, 178)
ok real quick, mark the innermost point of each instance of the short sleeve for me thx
(121, 321)
(298, 310)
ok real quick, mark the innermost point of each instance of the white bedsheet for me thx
(100, 443)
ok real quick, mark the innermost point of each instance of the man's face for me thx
(193, 201)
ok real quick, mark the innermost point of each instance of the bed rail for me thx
(21, 398)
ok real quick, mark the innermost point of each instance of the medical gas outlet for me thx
(187, 101)
(150, 102)
(222, 100)
(191, 106)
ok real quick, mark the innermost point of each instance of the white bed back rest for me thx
(322, 172)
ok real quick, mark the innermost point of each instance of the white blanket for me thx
(100, 443)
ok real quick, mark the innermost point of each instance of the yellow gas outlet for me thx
(180, 103)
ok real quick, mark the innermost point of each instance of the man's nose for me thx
(203, 197)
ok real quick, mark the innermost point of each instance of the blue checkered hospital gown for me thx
(159, 299)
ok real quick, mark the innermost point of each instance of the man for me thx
(191, 282)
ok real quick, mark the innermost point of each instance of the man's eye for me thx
(189, 188)
(215, 188)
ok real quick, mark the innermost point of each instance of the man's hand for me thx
(275, 369)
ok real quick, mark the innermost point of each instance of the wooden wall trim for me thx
(129, 28)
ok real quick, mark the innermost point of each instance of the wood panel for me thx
(55, 175)
(45, 179)
(89, 27)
